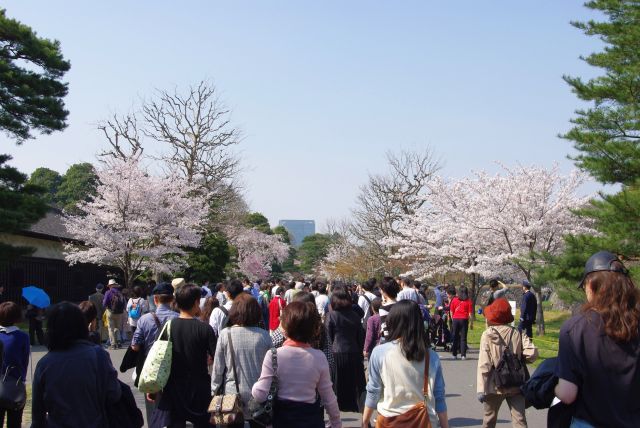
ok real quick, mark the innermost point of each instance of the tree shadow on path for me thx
(470, 422)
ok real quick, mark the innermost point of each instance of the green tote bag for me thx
(157, 367)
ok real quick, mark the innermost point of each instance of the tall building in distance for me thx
(298, 229)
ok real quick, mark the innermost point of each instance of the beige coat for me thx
(491, 351)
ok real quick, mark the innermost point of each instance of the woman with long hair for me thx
(401, 371)
(599, 352)
(461, 308)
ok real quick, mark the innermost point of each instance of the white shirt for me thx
(322, 303)
(217, 317)
(222, 298)
(408, 294)
(362, 302)
(144, 308)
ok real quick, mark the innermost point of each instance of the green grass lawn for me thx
(547, 345)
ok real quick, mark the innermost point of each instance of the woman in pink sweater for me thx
(301, 371)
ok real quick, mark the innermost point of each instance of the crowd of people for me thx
(328, 348)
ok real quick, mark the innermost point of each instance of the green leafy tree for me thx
(289, 264)
(31, 90)
(313, 249)
(259, 222)
(282, 231)
(49, 180)
(31, 98)
(607, 137)
(21, 204)
(208, 262)
(607, 134)
(78, 184)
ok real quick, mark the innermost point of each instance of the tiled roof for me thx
(51, 225)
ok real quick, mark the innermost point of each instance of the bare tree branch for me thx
(123, 136)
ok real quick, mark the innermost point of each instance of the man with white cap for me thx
(115, 303)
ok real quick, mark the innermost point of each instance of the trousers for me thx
(115, 323)
(459, 333)
(516, 404)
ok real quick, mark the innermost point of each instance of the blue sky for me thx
(321, 90)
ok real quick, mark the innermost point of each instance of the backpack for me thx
(136, 309)
(511, 370)
(118, 303)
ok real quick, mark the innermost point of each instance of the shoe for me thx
(455, 357)
(463, 358)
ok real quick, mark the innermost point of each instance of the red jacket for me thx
(275, 307)
(461, 309)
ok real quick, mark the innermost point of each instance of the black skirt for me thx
(350, 381)
(295, 414)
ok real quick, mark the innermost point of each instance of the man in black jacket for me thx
(528, 309)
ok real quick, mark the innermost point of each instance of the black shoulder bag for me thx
(262, 413)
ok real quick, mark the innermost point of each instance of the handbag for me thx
(13, 392)
(262, 413)
(157, 367)
(415, 417)
(226, 409)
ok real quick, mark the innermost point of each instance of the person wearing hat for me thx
(149, 326)
(97, 298)
(177, 283)
(528, 309)
(599, 350)
(499, 332)
(114, 303)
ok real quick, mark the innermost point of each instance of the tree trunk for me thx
(473, 296)
(539, 313)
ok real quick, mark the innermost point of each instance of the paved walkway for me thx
(460, 377)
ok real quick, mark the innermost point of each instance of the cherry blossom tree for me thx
(489, 225)
(257, 251)
(137, 221)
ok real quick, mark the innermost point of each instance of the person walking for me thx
(90, 313)
(322, 300)
(528, 310)
(35, 316)
(389, 289)
(499, 335)
(97, 298)
(147, 331)
(15, 356)
(136, 307)
(402, 371)
(275, 308)
(75, 380)
(244, 346)
(365, 297)
(186, 396)
(303, 374)
(347, 342)
(599, 350)
(372, 336)
(220, 315)
(461, 308)
(114, 303)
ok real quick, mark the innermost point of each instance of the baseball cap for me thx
(602, 261)
(163, 289)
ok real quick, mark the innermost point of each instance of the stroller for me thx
(439, 333)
